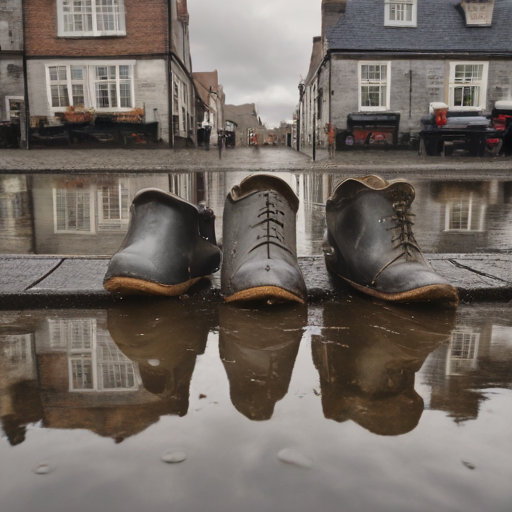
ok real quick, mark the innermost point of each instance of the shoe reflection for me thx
(164, 339)
(367, 357)
(258, 347)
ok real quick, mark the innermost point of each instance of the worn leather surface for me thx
(259, 237)
(363, 236)
(163, 243)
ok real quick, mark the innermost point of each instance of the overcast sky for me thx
(259, 47)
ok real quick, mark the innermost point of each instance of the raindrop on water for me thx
(42, 468)
(154, 362)
(295, 458)
(174, 457)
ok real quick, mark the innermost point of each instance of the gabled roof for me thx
(316, 58)
(205, 82)
(441, 28)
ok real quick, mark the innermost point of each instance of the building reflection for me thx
(89, 214)
(478, 357)
(112, 372)
(16, 216)
(258, 347)
(367, 359)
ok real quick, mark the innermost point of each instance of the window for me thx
(72, 210)
(463, 354)
(114, 206)
(465, 214)
(400, 13)
(374, 84)
(113, 87)
(99, 85)
(468, 84)
(78, 18)
(66, 86)
(13, 107)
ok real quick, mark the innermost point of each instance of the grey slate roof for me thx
(441, 28)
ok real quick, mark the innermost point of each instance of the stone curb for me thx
(38, 281)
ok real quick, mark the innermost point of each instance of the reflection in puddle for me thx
(150, 374)
(116, 372)
(367, 359)
(258, 348)
(56, 214)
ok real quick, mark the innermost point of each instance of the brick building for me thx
(109, 60)
(387, 60)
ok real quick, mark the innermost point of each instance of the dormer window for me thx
(400, 13)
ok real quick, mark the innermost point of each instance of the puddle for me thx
(85, 214)
(348, 405)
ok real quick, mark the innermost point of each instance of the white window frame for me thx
(8, 105)
(452, 85)
(466, 341)
(92, 227)
(117, 224)
(388, 22)
(89, 82)
(387, 82)
(119, 20)
(476, 215)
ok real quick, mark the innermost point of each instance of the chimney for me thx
(332, 11)
(182, 11)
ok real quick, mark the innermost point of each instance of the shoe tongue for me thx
(261, 182)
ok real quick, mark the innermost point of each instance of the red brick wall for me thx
(146, 32)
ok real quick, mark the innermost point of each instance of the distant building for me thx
(210, 102)
(243, 120)
(12, 88)
(378, 64)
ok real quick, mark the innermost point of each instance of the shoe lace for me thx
(270, 226)
(403, 236)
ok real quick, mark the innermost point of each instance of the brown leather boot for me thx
(259, 242)
(169, 246)
(370, 243)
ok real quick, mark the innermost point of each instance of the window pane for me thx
(113, 95)
(77, 73)
(125, 91)
(124, 71)
(78, 95)
(53, 73)
(102, 96)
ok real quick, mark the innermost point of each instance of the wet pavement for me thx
(390, 163)
(191, 404)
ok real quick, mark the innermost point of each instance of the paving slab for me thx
(18, 274)
(74, 282)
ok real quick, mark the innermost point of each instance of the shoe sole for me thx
(264, 293)
(131, 286)
(445, 293)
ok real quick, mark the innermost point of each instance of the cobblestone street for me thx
(389, 163)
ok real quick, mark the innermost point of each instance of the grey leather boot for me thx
(259, 242)
(167, 248)
(370, 243)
